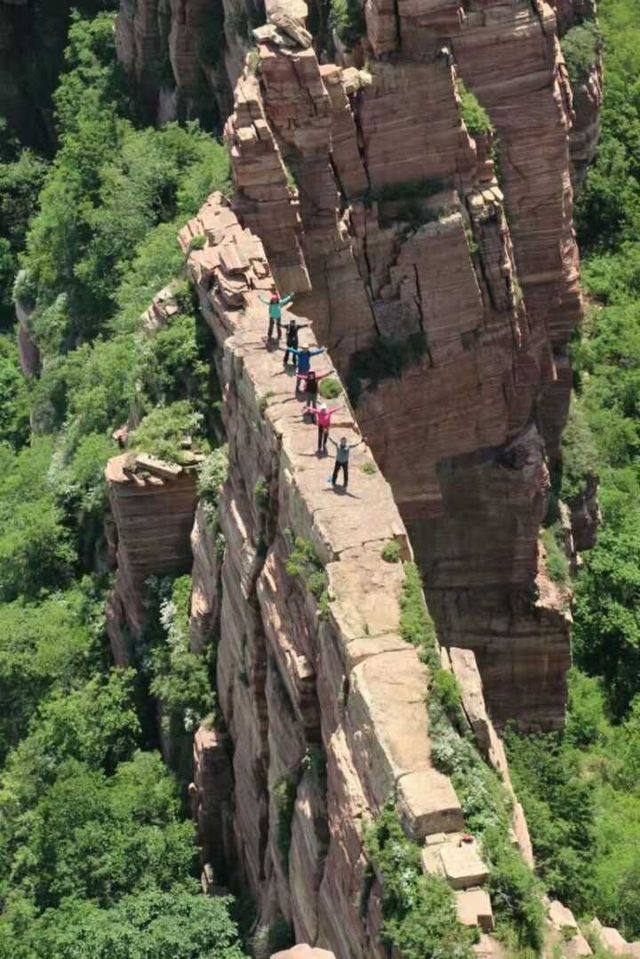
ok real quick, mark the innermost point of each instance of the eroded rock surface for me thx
(153, 511)
(377, 205)
(323, 700)
(183, 56)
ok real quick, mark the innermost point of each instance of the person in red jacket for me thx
(311, 380)
(323, 418)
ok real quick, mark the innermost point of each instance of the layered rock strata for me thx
(184, 56)
(323, 700)
(153, 508)
(377, 206)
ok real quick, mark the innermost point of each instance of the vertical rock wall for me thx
(153, 517)
(380, 209)
(184, 56)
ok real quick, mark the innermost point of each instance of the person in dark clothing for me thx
(291, 330)
(342, 459)
(275, 311)
(311, 380)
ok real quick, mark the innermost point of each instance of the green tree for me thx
(149, 925)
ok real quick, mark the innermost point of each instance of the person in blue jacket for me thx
(275, 311)
(303, 365)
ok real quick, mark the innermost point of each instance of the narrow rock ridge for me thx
(323, 701)
(480, 279)
(322, 705)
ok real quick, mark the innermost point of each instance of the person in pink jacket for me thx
(323, 419)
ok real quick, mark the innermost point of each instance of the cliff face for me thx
(153, 512)
(398, 231)
(441, 271)
(317, 690)
(184, 56)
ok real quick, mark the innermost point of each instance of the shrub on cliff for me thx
(476, 119)
(416, 624)
(179, 678)
(580, 460)
(386, 357)
(419, 911)
(212, 474)
(165, 430)
(581, 46)
(557, 563)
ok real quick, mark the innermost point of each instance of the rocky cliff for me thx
(437, 259)
(417, 197)
(322, 704)
(316, 687)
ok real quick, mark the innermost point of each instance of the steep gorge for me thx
(274, 673)
(409, 256)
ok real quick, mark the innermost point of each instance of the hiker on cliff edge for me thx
(291, 331)
(342, 459)
(322, 417)
(303, 365)
(275, 311)
(311, 380)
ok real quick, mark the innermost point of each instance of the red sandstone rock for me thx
(153, 522)
(322, 705)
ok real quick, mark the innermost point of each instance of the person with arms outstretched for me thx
(322, 417)
(275, 311)
(303, 361)
(342, 459)
(291, 332)
(311, 380)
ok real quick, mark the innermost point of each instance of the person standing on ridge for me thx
(303, 355)
(275, 311)
(312, 379)
(291, 331)
(322, 417)
(342, 459)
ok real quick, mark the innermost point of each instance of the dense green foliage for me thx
(305, 564)
(581, 46)
(97, 856)
(581, 790)
(346, 18)
(476, 119)
(180, 679)
(21, 178)
(581, 796)
(603, 435)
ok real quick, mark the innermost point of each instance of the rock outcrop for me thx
(153, 507)
(377, 206)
